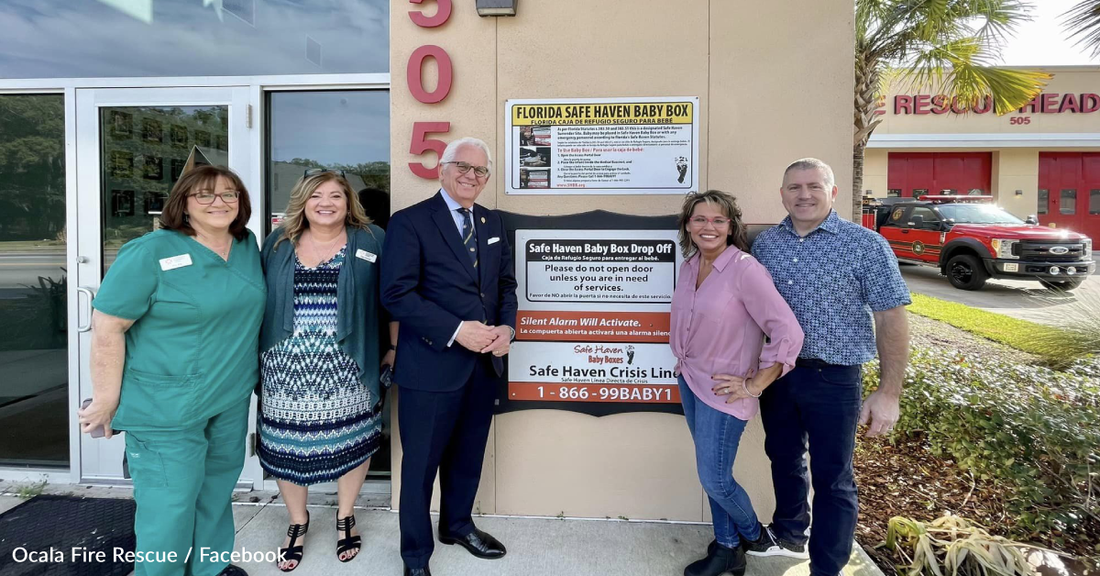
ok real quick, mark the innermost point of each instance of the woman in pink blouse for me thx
(724, 306)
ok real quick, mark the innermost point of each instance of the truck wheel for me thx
(966, 272)
(1062, 285)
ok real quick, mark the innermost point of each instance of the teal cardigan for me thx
(360, 329)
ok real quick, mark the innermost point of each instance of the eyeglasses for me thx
(207, 198)
(464, 167)
(700, 221)
(316, 171)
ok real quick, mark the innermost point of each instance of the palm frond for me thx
(962, 69)
(869, 13)
(1083, 22)
(999, 18)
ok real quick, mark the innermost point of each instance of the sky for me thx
(1042, 42)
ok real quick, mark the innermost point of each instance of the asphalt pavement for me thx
(1027, 300)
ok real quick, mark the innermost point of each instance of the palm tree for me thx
(945, 44)
(1083, 22)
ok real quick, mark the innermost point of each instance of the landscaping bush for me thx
(1033, 430)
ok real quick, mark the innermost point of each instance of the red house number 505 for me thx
(413, 73)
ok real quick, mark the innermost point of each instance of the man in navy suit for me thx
(447, 278)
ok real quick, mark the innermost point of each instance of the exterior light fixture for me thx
(1019, 192)
(496, 7)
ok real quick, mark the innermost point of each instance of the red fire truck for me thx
(970, 239)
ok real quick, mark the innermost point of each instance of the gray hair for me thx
(813, 164)
(452, 149)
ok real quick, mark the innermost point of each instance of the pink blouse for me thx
(720, 328)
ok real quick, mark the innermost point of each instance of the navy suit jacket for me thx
(430, 286)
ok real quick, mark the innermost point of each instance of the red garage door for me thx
(917, 173)
(1069, 191)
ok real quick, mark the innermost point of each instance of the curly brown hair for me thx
(726, 204)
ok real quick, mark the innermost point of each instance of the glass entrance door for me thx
(132, 146)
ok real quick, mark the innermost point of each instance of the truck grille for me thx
(1041, 251)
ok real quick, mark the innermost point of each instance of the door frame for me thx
(257, 87)
(100, 460)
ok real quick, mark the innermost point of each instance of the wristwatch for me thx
(512, 338)
(393, 347)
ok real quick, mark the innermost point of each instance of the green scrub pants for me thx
(183, 486)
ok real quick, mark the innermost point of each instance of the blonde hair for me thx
(296, 222)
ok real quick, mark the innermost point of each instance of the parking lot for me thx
(1026, 300)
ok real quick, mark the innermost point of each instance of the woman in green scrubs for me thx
(175, 337)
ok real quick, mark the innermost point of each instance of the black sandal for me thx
(294, 553)
(348, 542)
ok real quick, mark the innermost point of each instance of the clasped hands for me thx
(480, 338)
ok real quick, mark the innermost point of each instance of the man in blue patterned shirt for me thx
(836, 276)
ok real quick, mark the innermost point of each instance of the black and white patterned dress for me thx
(317, 420)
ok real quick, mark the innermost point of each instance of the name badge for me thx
(364, 255)
(175, 262)
(493, 240)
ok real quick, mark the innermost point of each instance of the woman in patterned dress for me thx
(321, 350)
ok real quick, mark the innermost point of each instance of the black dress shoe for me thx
(478, 543)
(720, 560)
(231, 570)
(417, 571)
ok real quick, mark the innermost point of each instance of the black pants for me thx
(815, 406)
(444, 431)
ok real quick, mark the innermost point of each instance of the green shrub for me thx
(1033, 430)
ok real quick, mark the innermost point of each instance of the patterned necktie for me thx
(469, 239)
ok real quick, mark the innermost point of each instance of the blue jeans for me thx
(815, 406)
(716, 436)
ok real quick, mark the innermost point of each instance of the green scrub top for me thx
(193, 350)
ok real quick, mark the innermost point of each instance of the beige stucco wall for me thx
(1066, 80)
(875, 162)
(763, 103)
(1015, 147)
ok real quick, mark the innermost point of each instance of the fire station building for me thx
(1042, 160)
(103, 102)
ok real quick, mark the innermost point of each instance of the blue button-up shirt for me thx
(833, 279)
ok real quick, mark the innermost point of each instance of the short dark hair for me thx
(174, 215)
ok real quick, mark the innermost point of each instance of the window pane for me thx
(926, 213)
(893, 193)
(346, 130)
(1069, 202)
(1094, 202)
(34, 359)
(124, 38)
(918, 192)
(143, 152)
(341, 130)
(1044, 199)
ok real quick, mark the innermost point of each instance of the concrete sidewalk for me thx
(536, 546)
